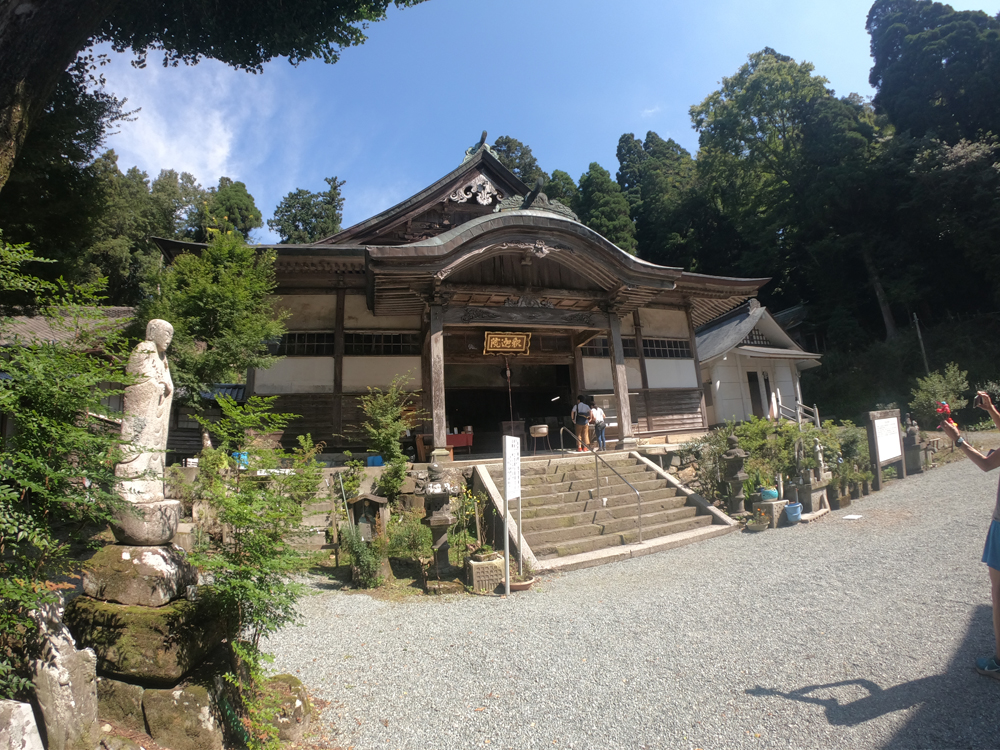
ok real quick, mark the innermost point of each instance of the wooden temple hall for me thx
(475, 274)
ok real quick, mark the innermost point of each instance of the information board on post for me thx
(885, 443)
(511, 491)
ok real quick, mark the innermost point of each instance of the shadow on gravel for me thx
(953, 707)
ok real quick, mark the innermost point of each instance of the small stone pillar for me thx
(734, 458)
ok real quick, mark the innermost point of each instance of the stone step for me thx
(590, 544)
(560, 465)
(605, 524)
(587, 511)
(620, 493)
(609, 484)
(580, 473)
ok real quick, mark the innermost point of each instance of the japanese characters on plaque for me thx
(505, 342)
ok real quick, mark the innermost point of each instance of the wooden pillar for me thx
(637, 323)
(437, 378)
(626, 439)
(697, 364)
(338, 365)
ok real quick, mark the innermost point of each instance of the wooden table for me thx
(461, 440)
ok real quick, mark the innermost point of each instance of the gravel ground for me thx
(834, 634)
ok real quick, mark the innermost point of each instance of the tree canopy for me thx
(936, 69)
(227, 206)
(303, 216)
(603, 208)
(517, 157)
(38, 41)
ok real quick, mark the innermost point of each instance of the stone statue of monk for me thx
(146, 419)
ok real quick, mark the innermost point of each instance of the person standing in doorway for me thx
(987, 665)
(581, 420)
(600, 425)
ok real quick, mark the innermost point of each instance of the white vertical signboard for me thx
(511, 491)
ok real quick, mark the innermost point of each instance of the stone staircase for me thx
(568, 522)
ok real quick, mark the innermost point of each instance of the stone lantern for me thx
(437, 509)
(734, 458)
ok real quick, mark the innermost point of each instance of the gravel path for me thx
(835, 634)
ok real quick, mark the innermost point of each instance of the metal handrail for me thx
(597, 475)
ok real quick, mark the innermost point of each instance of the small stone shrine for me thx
(141, 612)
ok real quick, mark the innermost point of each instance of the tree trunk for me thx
(38, 41)
(883, 302)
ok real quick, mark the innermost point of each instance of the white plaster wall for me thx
(785, 376)
(357, 317)
(668, 324)
(728, 385)
(628, 325)
(633, 373)
(308, 312)
(597, 374)
(296, 375)
(671, 373)
(378, 372)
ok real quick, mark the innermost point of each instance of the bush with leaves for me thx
(949, 386)
(260, 505)
(388, 415)
(57, 479)
(366, 557)
(408, 537)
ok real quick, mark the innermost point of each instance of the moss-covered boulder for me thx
(183, 718)
(120, 703)
(154, 646)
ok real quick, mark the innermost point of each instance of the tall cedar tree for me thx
(228, 206)
(603, 208)
(303, 217)
(517, 157)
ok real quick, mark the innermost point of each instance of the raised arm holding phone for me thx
(987, 665)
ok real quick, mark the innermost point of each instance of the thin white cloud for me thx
(651, 111)
(208, 120)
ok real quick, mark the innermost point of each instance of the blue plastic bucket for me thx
(793, 512)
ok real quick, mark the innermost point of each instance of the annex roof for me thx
(735, 330)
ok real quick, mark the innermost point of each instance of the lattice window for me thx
(598, 347)
(306, 345)
(382, 344)
(666, 348)
(756, 338)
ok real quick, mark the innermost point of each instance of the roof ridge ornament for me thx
(475, 149)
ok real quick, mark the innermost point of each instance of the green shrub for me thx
(408, 537)
(367, 557)
(949, 387)
(388, 415)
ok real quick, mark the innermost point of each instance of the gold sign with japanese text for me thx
(505, 342)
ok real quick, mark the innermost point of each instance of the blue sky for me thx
(565, 77)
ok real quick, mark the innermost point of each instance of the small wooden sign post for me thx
(885, 443)
(511, 491)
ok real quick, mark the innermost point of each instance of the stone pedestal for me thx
(772, 509)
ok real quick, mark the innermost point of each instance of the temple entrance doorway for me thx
(476, 396)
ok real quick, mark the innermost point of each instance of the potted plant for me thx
(759, 521)
(524, 580)
(484, 553)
